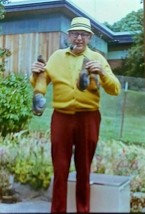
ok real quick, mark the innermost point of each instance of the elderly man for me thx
(76, 117)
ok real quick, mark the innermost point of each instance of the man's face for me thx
(79, 39)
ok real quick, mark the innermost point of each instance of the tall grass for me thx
(123, 116)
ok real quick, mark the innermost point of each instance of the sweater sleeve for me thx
(109, 81)
(39, 82)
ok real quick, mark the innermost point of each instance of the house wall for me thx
(31, 23)
(26, 47)
(29, 35)
(120, 54)
(98, 43)
(116, 53)
(115, 63)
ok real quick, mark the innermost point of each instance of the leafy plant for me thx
(133, 64)
(131, 22)
(4, 173)
(2, 8)
(32, 163)
(15, 103)
(116, 158)
(4, 53)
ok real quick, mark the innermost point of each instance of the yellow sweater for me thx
(62, 69)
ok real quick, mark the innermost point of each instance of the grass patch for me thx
(123, 116)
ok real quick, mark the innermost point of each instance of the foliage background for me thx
(15, 103)
(133, 64)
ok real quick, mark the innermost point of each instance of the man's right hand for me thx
(38, 67)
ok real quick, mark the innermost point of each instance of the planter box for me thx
(109, 193)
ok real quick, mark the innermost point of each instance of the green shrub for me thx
(4, 53)
(32, 163)
(15, 103)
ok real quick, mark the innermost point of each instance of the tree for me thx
(134, 64)
(3, 51)
(2, 9)
(132, 22)
(135, 61)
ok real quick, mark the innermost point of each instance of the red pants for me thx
(80, 130)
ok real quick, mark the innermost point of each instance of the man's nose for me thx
(79, 36)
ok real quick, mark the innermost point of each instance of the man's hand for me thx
(94, 67)
(38, 67)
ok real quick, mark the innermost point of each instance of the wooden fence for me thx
(26, 47)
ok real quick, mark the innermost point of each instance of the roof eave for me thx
(66, 7)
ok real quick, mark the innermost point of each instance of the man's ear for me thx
(91, 36)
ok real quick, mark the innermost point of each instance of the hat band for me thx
(81, 25)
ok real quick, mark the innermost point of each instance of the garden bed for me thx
(27, 157)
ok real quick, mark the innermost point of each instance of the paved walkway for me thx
(26, 207)
(31, 201)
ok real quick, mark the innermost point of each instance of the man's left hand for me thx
(95, 67)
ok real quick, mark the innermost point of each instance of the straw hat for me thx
(80, 23)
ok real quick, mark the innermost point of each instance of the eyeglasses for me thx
(83, 35)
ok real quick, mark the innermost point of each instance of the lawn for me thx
(123, 117)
